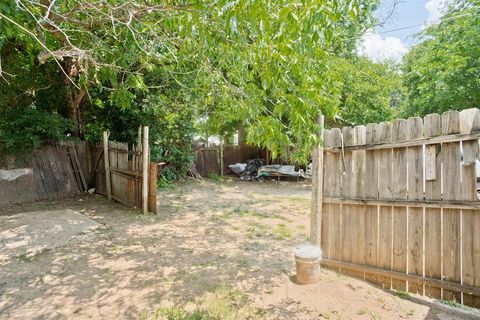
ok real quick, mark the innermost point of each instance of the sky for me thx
(380, 44)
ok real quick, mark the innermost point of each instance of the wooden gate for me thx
(128, 176)
(396, 204)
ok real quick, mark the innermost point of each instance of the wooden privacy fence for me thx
(216, 160)
(399, 205)
(127, 175)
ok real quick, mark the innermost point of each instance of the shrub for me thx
(22, 130)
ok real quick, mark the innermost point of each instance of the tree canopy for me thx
(261, 64)
(442, 72)
(185, 68)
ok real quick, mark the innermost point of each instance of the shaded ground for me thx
(210, 241)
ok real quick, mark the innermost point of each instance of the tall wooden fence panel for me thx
(400, 205)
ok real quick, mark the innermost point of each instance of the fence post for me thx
(317, 189)
(145, 165)
(152, 188)
(106, 158)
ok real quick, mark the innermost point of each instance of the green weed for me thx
(282, 232)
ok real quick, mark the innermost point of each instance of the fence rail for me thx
(399, 205)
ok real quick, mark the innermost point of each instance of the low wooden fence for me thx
(399, 204)
(58, 170)
(212, 160)
(67, 168)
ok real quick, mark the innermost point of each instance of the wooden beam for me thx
(403, 276)
(145, 169)
(466, 205)
(410, 143)
(107, 165)
(317, 189)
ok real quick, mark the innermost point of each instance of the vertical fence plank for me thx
(348, 219)
(415, 214)
(433, 226)
(371, 211)
(384, 135)
(398, 185)
(358, 191)
(451, 191)
(335, 210)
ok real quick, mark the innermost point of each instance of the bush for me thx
(22, 130)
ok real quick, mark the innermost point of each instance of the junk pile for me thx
(256, 169)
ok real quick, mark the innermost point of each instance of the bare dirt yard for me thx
(216, 250)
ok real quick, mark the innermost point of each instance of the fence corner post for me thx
(145, 169)
(106, 157)
(317, 189)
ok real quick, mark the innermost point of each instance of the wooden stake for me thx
(152, 188)
(107, 165)
(145, 152)
(317, 189)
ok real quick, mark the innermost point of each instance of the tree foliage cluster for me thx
(212, 67)
(265, 65)
(443, 71)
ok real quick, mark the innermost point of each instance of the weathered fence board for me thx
(406, 212)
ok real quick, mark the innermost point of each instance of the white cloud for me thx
(435, 10)
(378, 48)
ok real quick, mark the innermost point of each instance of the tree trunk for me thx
(72, 97)
(241, 135)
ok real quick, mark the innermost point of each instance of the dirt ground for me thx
(208, 238)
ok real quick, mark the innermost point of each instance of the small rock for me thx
(91, 191)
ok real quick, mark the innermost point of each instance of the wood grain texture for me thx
(451, 190)
(385, 244)
(408, 198)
